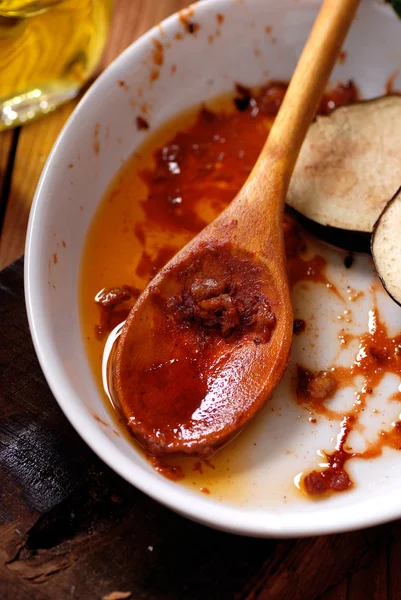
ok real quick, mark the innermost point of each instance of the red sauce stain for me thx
(198, 467)
(173, 69)
(123, 85)
(99, 420)
(342, 57)
(268, 29)
(345, 338)
(377, 355)
(220, 18)
(141, 123)
(185, 17)
(108, 319)
(299, 326)
(216, 153)
(205, 490)
(113, 306)
(208, 463)
(312, 269)
(154, 74)
(193, 27)
(178, 36)
(354, 295)
(96, 143)
(139, 231)
(210, 39)
(396, 397)
(158, 53)
(150, 265)
(71, 166)
(63, 244)
(116, 433)
(173, 472)
(390, 89)
(314, 389)
(55, 258)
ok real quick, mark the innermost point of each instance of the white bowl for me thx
(244, 50)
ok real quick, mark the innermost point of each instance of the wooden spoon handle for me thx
(299, 106)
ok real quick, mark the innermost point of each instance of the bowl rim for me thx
(255, 523)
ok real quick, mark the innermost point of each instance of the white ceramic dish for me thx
(257, 41)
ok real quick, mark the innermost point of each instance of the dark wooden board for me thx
(71, 528)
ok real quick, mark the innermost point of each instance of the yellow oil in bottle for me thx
(48, 50)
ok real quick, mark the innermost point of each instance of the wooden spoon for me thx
(209, 339)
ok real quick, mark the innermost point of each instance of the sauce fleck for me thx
(141, 123)
(96, 142)
(299, 326)
(390, 83)
(158, 52)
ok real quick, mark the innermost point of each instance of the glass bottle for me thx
(48, 51)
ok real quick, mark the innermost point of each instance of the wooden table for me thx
(71, 528)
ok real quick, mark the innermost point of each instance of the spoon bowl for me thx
(205, 345)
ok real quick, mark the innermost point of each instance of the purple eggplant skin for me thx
(372, 239)
(347, 239)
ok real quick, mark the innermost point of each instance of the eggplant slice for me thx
(348, 168)
(386, 247)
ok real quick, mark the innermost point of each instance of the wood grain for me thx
(372, 580)
(34, 144)
(337, 592)
(313, 565)
(131, 19)
(6, 140)
(5, 146)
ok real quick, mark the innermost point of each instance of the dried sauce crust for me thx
(200, 319)
(221, 294)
